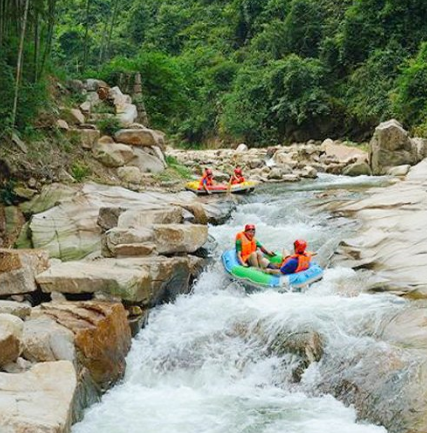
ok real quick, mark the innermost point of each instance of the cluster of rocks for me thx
(280, 163)
(133, 151)
(390, 152)
(100, 257)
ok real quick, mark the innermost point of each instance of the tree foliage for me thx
(257, 70)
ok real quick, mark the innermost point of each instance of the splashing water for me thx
(204, 364)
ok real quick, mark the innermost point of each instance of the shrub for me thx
(80, 171)
(109, 126)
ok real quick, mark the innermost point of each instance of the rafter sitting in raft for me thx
(207, 180)
(237, 177)
(297, 262)
(247, 246)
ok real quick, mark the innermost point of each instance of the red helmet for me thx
(300, 246)
(238, 170)
(209, 172)
(249, 227)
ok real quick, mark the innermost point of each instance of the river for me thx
(204, 364)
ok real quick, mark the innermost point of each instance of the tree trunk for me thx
(110, 33)
(19, 63)
(86, 41)
(49, 37)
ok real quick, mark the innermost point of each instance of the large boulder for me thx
(11, 328)
(39, 400)
(391, 146)
(143, 280)
(113, 154)
(139, 137)
(147, 160)
(18, 269)
(99, 331)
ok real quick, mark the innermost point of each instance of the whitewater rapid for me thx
(204, 364)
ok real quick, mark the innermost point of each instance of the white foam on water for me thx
(204, 364)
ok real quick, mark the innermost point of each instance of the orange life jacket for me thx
(248, 247)
(209, 181)
(303, 261)
(235, 180)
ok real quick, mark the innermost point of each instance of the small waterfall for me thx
(221, 360)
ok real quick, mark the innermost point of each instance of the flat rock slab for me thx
(392, 238)
(142, 280)
(39, 400)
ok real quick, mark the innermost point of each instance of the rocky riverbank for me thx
(390, 249)
(100, 257)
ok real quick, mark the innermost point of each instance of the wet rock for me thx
(11, 328)
(39, 400)
(18, 269)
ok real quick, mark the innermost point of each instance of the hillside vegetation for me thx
(263, 71)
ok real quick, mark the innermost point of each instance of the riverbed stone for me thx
(18, 269)
(39, 400)
(11, 328)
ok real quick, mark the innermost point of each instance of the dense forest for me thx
(263, 71)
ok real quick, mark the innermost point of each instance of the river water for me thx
(204, 364)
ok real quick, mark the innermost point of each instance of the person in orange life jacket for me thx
(237, 177)
(297, 262)
(207, 180)
(247, 246)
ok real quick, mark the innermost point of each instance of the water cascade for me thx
(222, 360)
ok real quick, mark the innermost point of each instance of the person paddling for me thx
(207, 180)
(247, 246)
(237, 177)
(297, 262)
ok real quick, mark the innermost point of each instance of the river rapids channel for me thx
(207, 364)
